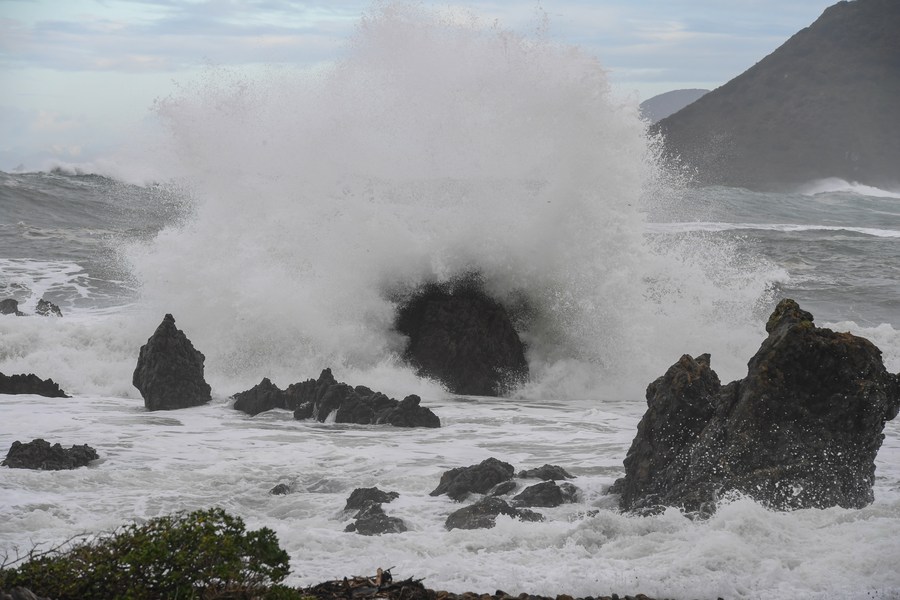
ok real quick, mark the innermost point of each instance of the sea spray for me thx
(435, 147)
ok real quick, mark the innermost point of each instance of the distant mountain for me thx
(824, 104)
(663, 105)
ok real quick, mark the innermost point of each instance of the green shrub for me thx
(204, 554)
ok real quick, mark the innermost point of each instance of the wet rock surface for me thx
(548, 494)
(46, 308)
(372, 520)
(9, 306)
(169, 371)
(546, 472)
(458, 483)
(370, 517)
(463, 338)
(801, 430)
(30, 384)
(319, 398)
(40, 455)
(362, 497)
(483, 514)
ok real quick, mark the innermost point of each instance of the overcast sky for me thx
(76, 74)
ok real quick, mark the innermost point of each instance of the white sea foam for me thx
(155, 463)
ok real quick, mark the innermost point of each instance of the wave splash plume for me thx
(434, 148)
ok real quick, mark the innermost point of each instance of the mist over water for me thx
(435, 147)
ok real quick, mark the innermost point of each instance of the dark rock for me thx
(10, 307)
(30, 384)
(169, 372)
(282, 489)
(39, 454)
(824, 104)
(801, 430)
(547, 473)
(372, 520)
(460, 482)
(680, 405)
(408, 413)
(547, 494)
(503, 488)
(260, 398)
(483, 514)
(363, 497)
(463, 338)
(317, 399)
(45, 308)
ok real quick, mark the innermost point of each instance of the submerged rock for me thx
(463, 338)
(46, 308)
(30, 384)
(371, 518)
(547, 494)
(10, 306)
(319, 398)
(40, 455)
(363, 497)
(483, 514)
(169, 372)
(547, 473)
(801, 430)
(480, 479)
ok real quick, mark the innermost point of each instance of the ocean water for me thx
(280, 217)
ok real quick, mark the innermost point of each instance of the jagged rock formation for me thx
(46, 308)
(30, 384)
(824, 104)
(463, 338)
(319, 398)
(39, 454)
(169, 371)
(801, 430)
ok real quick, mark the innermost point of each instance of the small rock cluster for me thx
(40, 455)
(493, 478)
(44, 308)
(322, 397)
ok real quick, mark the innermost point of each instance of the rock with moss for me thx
(801, 430)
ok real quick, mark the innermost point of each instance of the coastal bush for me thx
(205, 554)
